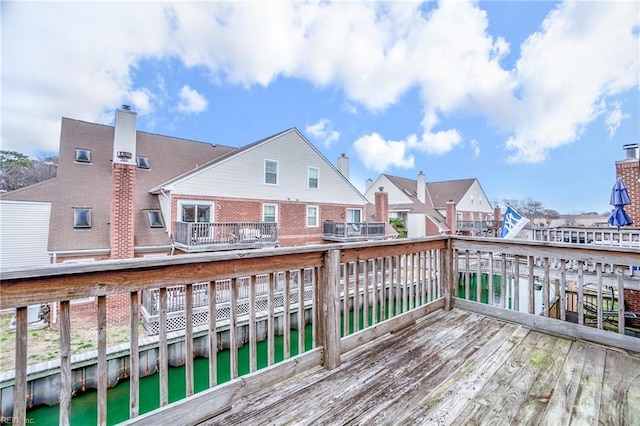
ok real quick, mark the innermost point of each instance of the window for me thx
(83, 155)
(270, 172)
(312, 216)
(270, 213)
(354, 215)
(143, 162)
(192, 212)
(155, 218)
(81, 218)
(313, 177)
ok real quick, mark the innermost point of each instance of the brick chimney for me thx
(382, 206)
(123, 185)
(629, 171)
(451, 216)
(421, 187)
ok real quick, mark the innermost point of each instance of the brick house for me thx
(629, 171)
(434, 208)
(122, 193)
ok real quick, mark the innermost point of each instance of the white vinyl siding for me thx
(22, 245)
(242, 176)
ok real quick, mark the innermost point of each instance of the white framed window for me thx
(312, 216)
(195, 211)
(313, 179)
(81, 218)
(270, 213)
(270, 172)
(354, 215)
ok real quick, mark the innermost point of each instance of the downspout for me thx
(168, 230)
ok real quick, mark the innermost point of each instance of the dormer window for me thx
(155, 218)
(81, 218)
(83, 155)
(143, 162)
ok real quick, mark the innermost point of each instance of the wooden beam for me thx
(65, 364)
(328, 317)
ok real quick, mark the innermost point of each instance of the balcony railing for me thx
(596, 235)
(197, 237)
(353, 231)
(478, 227)
(348, 293)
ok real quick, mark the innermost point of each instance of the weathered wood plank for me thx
(134, 357)
(163, 349)
(188, 338)
(102, 360)
(233, 329)
(328, 315)
(20, 385)
(586, 407)
(213, 336)
(620, 403)
(553, 326)
(253, 340)
(65, 364)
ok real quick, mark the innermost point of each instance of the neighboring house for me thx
(121, 193)
(433, 208)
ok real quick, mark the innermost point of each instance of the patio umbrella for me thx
(619, 199)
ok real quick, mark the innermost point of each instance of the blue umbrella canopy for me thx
(619, 199)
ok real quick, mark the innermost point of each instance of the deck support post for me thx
(328, 314)
(447, 280)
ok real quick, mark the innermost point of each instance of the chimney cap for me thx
(381, 188)
(126, 107)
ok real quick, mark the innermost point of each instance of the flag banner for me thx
(512, 223)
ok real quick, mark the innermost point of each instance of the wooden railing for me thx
(533, 278)
(353, 231)
(359, 291)
(597, 235)
(193, 237)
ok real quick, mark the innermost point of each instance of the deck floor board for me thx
(456, 367)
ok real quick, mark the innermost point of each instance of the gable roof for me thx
(89, 185)
(454, 190)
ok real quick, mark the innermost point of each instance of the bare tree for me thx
(17, 170)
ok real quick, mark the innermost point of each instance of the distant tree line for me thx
(533, 209)
(17, 170)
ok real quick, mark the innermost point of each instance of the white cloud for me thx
(190, 101)
(581, 56)
(475, 148)
(614, 119)
(380, 155)
(372, 52)
(324, 132)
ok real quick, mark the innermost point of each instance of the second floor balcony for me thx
(353, 231)
(194, 237)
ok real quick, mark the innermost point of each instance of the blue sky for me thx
(535, 99)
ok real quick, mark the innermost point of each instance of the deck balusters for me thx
(134, 356)
(253, 340)
(213, 335)
(102, 360)
(188, 344)
(163, 349)
(233, 328)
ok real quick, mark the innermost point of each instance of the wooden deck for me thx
(457, 367)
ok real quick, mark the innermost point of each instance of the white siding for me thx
(242, 176)
(396, 196)
(480, 202)
(416, 226)
(24, 233)
(125, 136)
(165, 208)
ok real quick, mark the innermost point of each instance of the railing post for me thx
(329, 309)
(447, 278)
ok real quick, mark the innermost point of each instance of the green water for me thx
(84, 406)
(484, 287)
